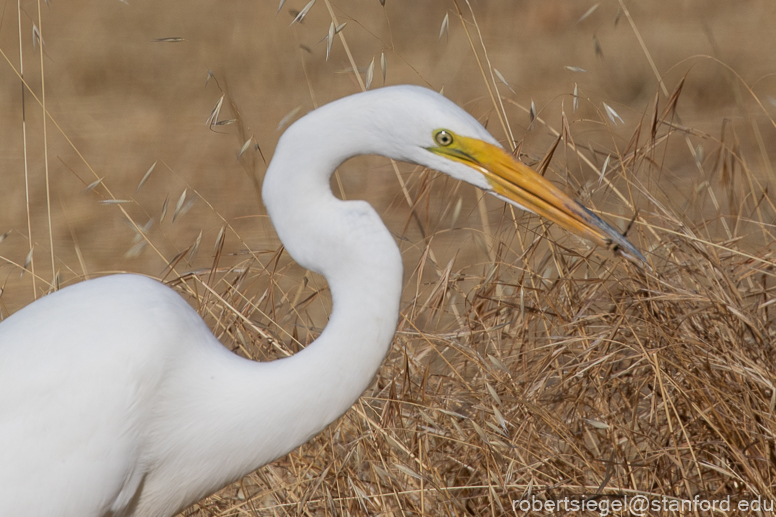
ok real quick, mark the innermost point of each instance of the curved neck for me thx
(293, 399)
(247, 413)
(346, 242)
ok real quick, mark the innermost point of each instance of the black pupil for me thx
(444, 138)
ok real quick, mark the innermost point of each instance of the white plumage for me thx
(117, 400)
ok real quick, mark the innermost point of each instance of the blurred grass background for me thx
(133, 84)
(127, 101)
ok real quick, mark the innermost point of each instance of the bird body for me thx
(161, 414)
(117, 400)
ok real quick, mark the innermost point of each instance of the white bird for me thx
(117, 400)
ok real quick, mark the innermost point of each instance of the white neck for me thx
(346, 242)
(249, 413)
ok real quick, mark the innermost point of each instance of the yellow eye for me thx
(443, 138)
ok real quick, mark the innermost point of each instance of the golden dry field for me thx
(527, 365)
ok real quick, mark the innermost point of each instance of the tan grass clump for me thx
(603, 380)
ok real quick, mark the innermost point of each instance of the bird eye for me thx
(443, 138)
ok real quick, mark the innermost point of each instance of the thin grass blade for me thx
(445, 29)
(164, 209)
(370, 73)
(306, 9)
(612, 114)
(501, 78)
(575, 103)
(588, 13)
(179, 204)
(92, 185)
(145, 177)
(329, 39)
(244, 147)
(289, 116)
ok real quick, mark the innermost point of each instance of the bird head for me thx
(440, 135)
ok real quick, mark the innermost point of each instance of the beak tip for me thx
(631, 254)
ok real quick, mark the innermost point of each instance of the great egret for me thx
(115, 397)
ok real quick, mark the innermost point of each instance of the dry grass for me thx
(523, 366)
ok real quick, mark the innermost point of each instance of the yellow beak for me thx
(518, 184)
